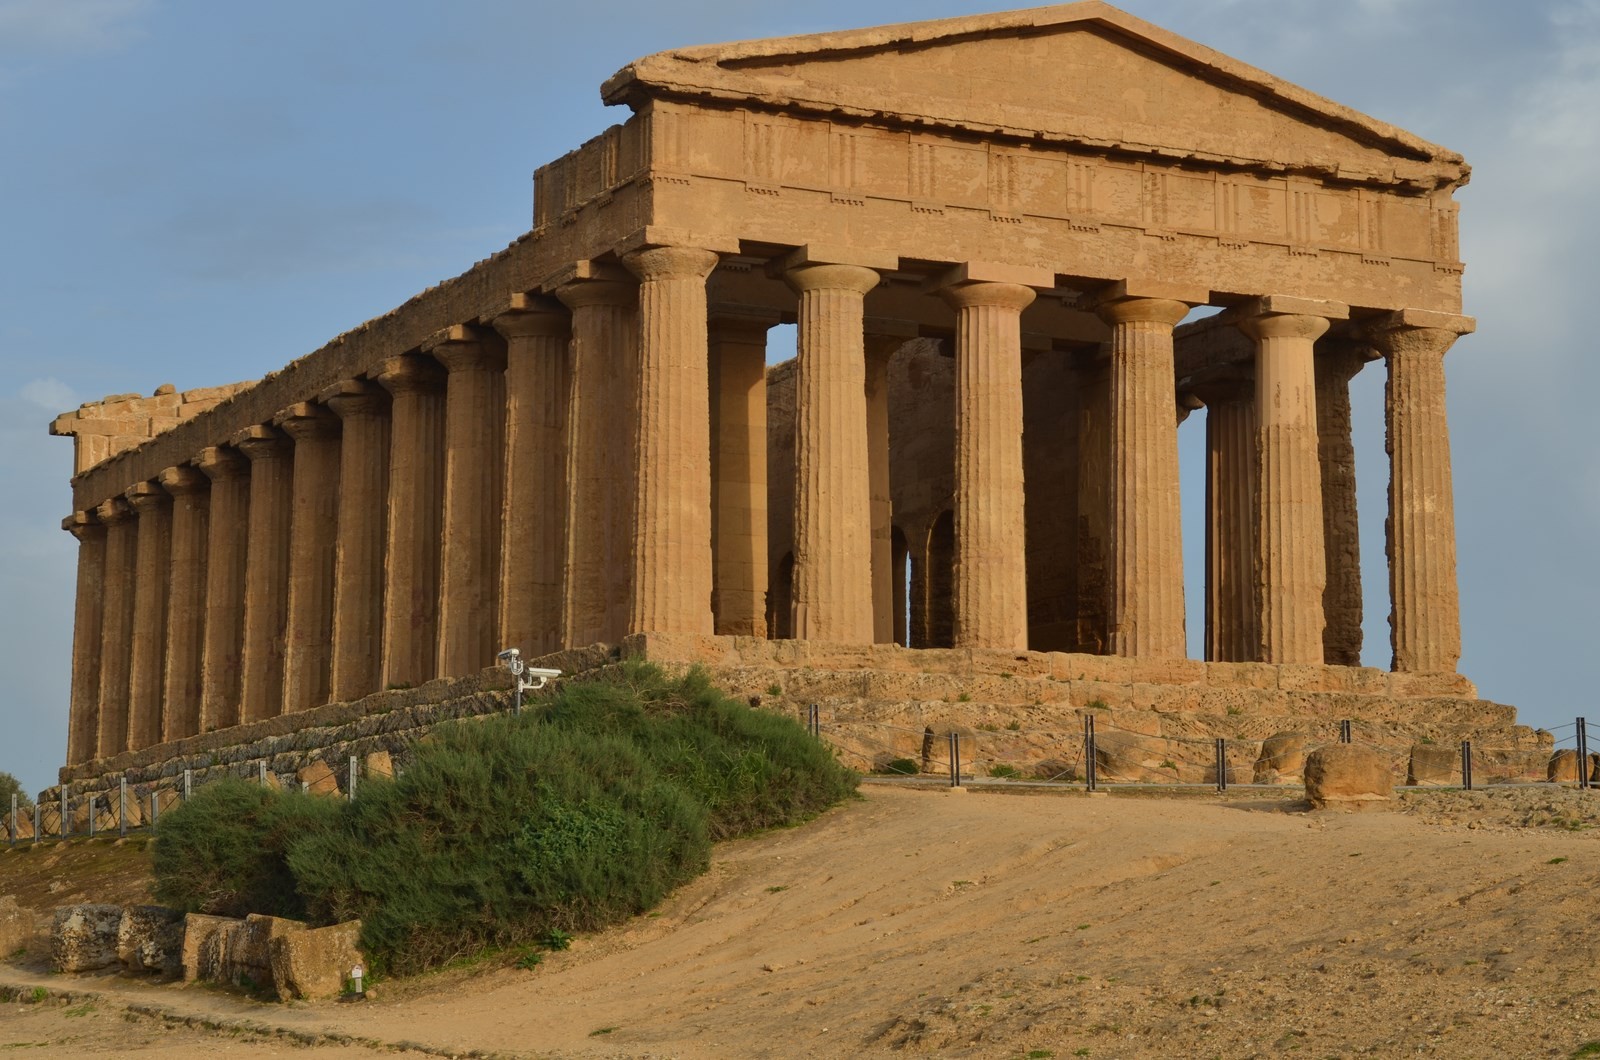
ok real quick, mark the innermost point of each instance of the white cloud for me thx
(71, 27)
(50, 394)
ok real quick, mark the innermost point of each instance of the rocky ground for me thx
(924, 922)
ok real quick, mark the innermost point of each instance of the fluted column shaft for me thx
(738, 349)
(1291, 558)
(83, 726)
(152, 567)
(227, 545)
(1231, 521)
(1425, 615)
(266, 595)
(533, 552)
(671, 583)
(116, 630)
(416, 507)
(474, 476)
(1337, 363)
(1146, 564)
(991, 563)
(879, 348)
(356, 665)
(600, 408)
(313, 544)
(186, 600)
(833, 598)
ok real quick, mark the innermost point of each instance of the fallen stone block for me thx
(319, 779)
(16, 927)
(84, 937)
(1563, 767)
(379, 765)
(314, 964)
(1348, 776)
(150, 939)
(1434, 767)
(1282, 759)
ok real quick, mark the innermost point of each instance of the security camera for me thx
(509, 654)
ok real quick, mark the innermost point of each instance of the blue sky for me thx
(198, 192)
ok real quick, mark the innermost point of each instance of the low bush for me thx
(905, 767)
(510, 830)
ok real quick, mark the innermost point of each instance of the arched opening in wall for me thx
(941, 601)
(900, 564)
(780, 618)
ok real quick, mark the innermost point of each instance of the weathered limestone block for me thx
(150, 939)
(207, 941)
(1282, 759)
(1433, 766)
(1563, 767)
(21, 828)
(1347, 776)
(1122, 757)
(378, 765)
(319, 779)
(313, 964)
(84, 937)
(16, 927)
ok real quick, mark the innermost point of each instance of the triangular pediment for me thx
(1084, 73)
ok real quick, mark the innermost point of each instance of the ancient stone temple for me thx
(990, 232)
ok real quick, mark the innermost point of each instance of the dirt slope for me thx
(930, 923)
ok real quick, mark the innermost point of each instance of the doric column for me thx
(116, 629)
(313, 541)
(152, 567)
(474, 476)
(83, 726)
(227, 542)
(738, 351)
(1230, 520)
(599, 461)
(1146, 562)
(363, 411)
(266, 581)
(1338, 360)
(991, 563)
(186, 600)
(1290, 555)
(878, 349)
(1092, 534)
(537, 332)
(833, 491)
(671, 581)
(1425, 616)
(416, 518)
(1051, 406)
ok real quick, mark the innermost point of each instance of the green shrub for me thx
(225, 851)
(509, 831)
(906, 767)
(1004, 771)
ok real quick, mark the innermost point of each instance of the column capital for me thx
(748, 322)
(409, 373)
(602, 287)
(221, 462)
(466, 348)
(183, 480)
(1414, 331)
(1013, 296)
(147, 497)
(854, 278)
(1133, 310)
(261, 442)
(114, 511)
(83, 525)
(1277, 316)
(307, 421)
(982, 272)
(355, 397)
(529, 316)
(671, 263)
(1141, 290)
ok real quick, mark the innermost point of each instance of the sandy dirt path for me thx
(960, 924)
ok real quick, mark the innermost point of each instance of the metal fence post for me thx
(155, 807)
(188, 784)
(352, 778)
(1583, 753)
(814, 721)
(1090, 779)
(122, 806)
(261, 772)
(955, 768)
(1466, 764)
(92, 821)
(1222, 764)
(38, 823)
(1344, 731)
